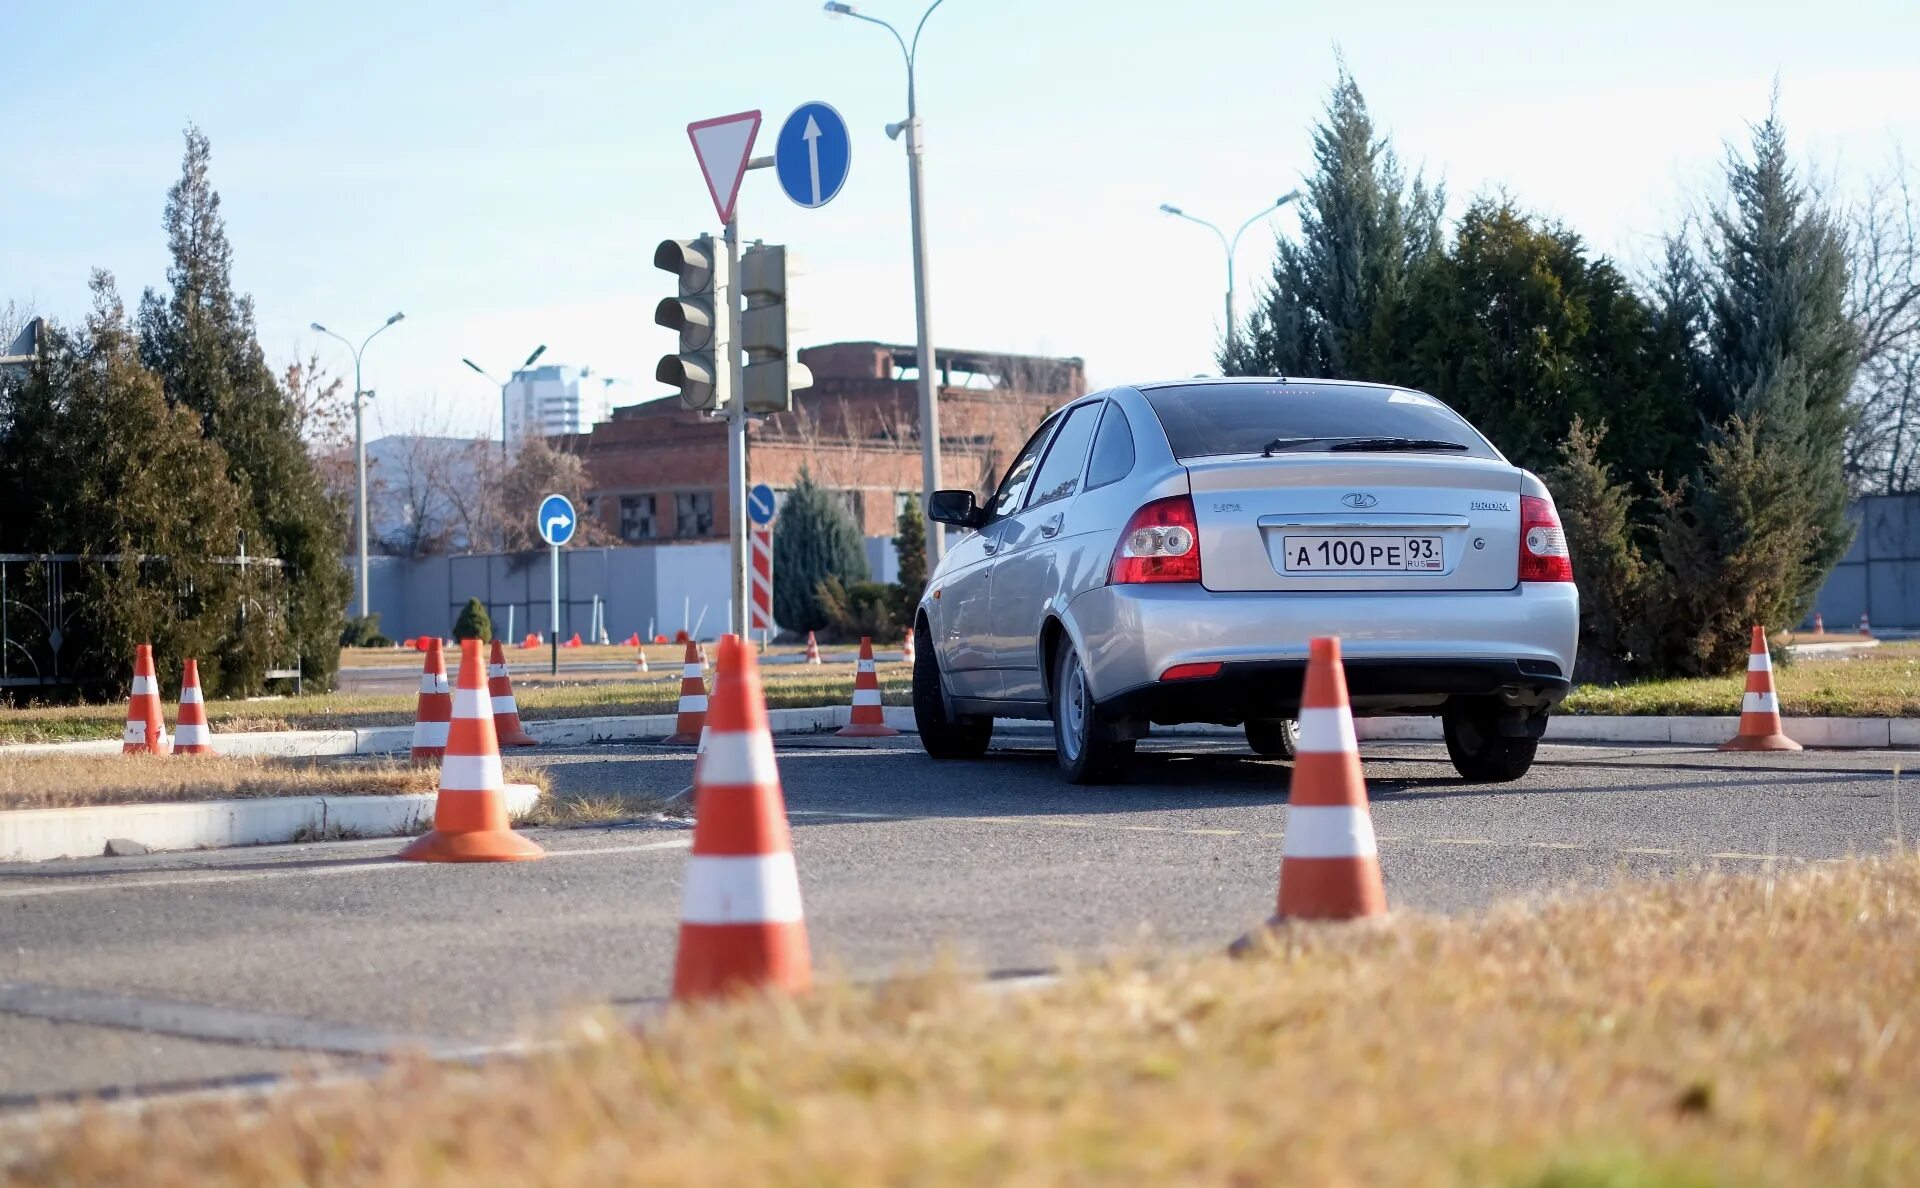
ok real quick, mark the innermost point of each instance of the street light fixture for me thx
(1230, 246)
(537, 352)
(916, 197)
(360, 447)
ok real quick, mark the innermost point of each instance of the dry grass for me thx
(656, 693)
(1726, 1031)
(68, 781)
(1881, 683)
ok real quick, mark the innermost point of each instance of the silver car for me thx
(1161, 554)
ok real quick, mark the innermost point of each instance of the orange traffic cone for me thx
(633, 641)
(1330, 864)
(434, 709)
(146, 730)
(741, 927)
(530, 641)
(470, 816)
(1819, 624)
(640, 661)
(867, 720)
(1760, 709)
(907, 649)
(506, 712)
(1866, 628)
(574, 642)
(690, 793)
(813, 649)
(693, 699)
(190, 734)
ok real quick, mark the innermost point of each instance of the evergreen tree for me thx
(473, 623)
(105, 468)
(1524, 334)
(1335, 303)
(1607, 563)
(910, 547)
(199, 339)
(814, 539)
(1779, 351)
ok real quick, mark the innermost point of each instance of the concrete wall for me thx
(1880, 575)
(664, 587)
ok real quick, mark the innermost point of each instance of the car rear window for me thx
(1205, 420)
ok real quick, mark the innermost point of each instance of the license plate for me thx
(1391, 554)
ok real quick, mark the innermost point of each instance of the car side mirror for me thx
(956, 508)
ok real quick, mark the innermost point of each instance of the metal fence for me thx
(39, 606)
(1880, 575)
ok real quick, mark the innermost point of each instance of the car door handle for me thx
(1052, 525)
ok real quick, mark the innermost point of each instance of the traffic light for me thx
(701, 368)
(771, 374)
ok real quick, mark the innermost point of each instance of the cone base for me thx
(487, 845)
(723, 960)
(519, 740)
(866, 731)
(1261, 937)
(682, 739)
(199, 750)
(1760, 742)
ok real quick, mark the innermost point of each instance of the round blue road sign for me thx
(760, 504)
(556, 519)
(813, 154)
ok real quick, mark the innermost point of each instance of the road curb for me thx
(35, 835)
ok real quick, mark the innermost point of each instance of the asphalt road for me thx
(184, 969)
(405, 678)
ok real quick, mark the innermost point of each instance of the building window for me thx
(637, 520)
(693, 513)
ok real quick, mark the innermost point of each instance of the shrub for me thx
(813, 540)
(910, 546)
(863, 608)
(473, 623)
(361, 631)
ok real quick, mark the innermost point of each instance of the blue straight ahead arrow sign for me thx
(812, 155)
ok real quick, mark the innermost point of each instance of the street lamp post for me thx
(1231, 246)
(537, 352)
(916, 197)
(360, 447)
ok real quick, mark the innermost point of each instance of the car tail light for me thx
(1543, 544)
(1161, 544)
(1191, 672)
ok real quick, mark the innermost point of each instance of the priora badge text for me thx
(1358, 499)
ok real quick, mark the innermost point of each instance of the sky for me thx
(502, 172)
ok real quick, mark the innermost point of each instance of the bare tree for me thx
(1883, 451)
(325, 411)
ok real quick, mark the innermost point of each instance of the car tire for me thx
(1275, 738)
(1089, 750)
(940, 736)
(1480, 751)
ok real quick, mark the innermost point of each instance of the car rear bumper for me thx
(1404, 652)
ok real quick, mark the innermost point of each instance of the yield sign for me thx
(723, 145)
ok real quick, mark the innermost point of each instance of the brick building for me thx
(659, 472)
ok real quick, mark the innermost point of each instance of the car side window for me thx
(1013, 488)
(1112, 449)
(1059, 474)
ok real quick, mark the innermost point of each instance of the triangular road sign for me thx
(723, 145)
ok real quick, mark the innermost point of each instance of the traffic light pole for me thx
(736, 437)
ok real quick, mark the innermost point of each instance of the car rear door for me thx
(1026, 569)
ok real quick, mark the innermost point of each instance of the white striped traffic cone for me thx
(1760, 728)
(470, 815)
(640, 661)
(1330, 863)
(434, 709)
(867, 721)
(506, 711)
(813, 649)
(191, 736)
(693, 698)
(907, 648)
(741, 926)
(146, 731)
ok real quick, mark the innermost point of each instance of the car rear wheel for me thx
(940, 736)
(1481, 751)
(1090, 750)
(1273, 737)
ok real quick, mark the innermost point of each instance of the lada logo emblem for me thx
(1358, 499)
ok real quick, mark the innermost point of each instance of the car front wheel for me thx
(940, 736)
(1090, 750)
(1480, 749)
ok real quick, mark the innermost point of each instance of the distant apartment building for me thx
(558, 399)
(658, 471)
(17, 356)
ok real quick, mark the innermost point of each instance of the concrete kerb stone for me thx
(35, 835)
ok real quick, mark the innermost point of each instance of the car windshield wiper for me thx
(1287, 443)
(1371, 444)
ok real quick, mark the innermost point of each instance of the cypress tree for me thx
(473, 623)
(910, 547)
(199, 339)
(1334, 305)
(813, 540)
